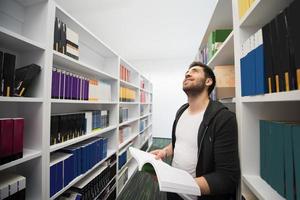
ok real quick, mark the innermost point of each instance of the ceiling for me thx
(145, 30)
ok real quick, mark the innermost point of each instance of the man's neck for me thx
(198, 103)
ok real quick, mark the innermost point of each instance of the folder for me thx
(296, 151)
(18, 132)
(260, 87)
(295, 31)
(277, 157)
(268, 62)
(9, 74)
(288, 161)
(263, 149)
(6, 139)
(62, 84)
(1, 72)
(24, 77)
(56, 34)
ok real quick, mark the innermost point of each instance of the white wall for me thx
(168, 96)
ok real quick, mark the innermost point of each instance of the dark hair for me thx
(208, 74)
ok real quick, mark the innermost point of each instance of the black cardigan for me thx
(218, 159)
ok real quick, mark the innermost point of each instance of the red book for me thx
(18, 136)
(6, 137)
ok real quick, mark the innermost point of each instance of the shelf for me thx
(128, 140)
(274, 97)
(146, 103)
(128, 85)
(131, 170)
(16, 42)
(144, 142)
(129, 103)
(28, 154)
(65, 61)
(148, 91)
(145, 115)
(262, 11)
(129, 121)
(221, 18)
(145, 128)
(225, 55)
(228, 100)
(81, 138)
(21, 99)
(260, 188)
(109, 153)
(68, 101)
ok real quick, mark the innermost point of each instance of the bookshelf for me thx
(27, 30)
(279, 106)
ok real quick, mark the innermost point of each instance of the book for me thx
(6, 140)
(12, 186)
(8, 74)
(24, 77)
(170, 179)
(18, 133)
(1, 72)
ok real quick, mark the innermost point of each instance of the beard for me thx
(194, 89)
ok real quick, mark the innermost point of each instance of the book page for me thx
(170, 179)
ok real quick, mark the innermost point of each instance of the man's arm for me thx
(163, 153)
(203, 185)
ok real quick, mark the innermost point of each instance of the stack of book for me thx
(127, 95)
(225, 82)
(15, 82)
(252, 65)
(68, 126)
(123, 115)
(11, 139)
(75, 160)
(99, 91)
(143, 97)
(215, 40)
(142, 83)
(67, 85)
(124, 133)
(122, 158)
(244, 6)
(100, 119)
(97, 184)
(12, 186)
(125, 74)
(280, 156)
(270, 58)
(143, 124)
(66, 41)
(71, 125)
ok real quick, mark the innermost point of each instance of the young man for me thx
(204, 139)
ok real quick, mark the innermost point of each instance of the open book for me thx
(170, 179)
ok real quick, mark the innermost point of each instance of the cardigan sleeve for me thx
(226, 175)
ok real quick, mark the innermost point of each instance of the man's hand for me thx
(159, 153)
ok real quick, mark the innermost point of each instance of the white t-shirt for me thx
(186, 147)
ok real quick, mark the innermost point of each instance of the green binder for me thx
(296, 149)
(288, 162)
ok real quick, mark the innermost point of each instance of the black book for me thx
(24, 77)
(63, 38)
(268, 61)
(293, 18)
(284, 67)
(1, 72)
(276, 54)
(8, 74)
(54, 129)
(56, 34)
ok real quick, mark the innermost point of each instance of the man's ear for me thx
(208, 82)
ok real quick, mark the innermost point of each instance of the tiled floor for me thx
(143, 186)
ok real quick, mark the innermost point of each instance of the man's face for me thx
(194, 81)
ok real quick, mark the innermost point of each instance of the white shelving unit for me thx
(27, 30)
(251, 109)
